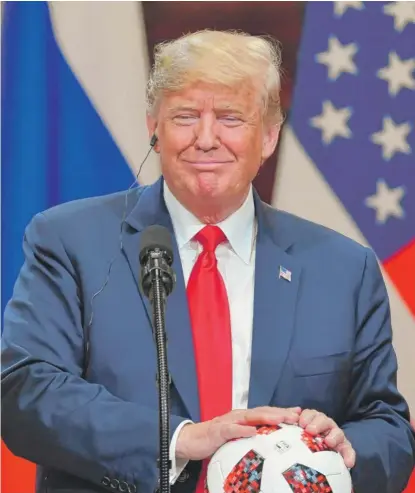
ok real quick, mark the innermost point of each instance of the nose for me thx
(206, 134)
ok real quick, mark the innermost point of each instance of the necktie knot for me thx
(210, 237)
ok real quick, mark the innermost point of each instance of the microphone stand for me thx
(157, 282)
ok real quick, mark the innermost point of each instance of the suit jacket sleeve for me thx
(51, 415)
(378, 419)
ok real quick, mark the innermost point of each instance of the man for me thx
(272, 318)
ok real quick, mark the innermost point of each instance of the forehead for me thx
(208, 96)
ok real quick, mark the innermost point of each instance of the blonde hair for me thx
(227, 58)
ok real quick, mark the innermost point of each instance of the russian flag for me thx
(71, 85)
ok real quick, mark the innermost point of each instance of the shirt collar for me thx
(238, 227)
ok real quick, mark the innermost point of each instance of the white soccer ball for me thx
(279, 459)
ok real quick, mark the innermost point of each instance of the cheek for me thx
(179, 138)
(248, 156)
(243, 141)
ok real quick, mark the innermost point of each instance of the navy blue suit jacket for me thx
(321, 341)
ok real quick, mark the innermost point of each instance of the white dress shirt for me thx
(236, 263)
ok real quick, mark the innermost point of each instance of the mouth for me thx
(207, 165)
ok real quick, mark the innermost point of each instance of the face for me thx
(212, 142)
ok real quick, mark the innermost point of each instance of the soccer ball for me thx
(279, 459)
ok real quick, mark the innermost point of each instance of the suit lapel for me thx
(150, 209)
(274, 301)
(274, 307)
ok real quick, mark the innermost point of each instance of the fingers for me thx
(317, 423)
(267, 415)
(232, 431)
(296, 409)
(307, 417)
(335, 437)
(346, 450)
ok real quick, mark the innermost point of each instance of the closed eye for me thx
(185, 119)
(230, 120)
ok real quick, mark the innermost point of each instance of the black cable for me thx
(88, 328)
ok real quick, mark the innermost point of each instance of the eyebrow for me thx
(232, 109)
(182, 107)
(220, 108)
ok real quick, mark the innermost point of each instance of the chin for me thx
(209, 185)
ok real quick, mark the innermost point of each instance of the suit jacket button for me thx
(184, 476)
(123, 487)
(106, 481)
(132, 488)
(114, 484)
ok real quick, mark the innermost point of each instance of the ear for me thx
(270, 139)
(151, 127)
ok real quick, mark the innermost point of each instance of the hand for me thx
(201, 440)
(317, 423)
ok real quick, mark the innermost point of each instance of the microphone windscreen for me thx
(153, 237)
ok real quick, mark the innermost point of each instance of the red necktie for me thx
(211, 328)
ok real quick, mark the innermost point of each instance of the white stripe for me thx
(301, 189)
(104, 43)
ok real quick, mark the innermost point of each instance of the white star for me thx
(403, 13)
(392, 138)
(338, 58)
(341, 7)
(332, 122)
(398, 73)
(386, 202)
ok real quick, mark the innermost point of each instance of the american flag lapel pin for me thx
(284, 274)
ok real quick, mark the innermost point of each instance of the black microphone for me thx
(156, 258)
(157, 281)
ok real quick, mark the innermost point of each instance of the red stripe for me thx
(18, 475)
(401, 269)
(411, 486)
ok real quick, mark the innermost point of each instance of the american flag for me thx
(73, 122)
(285, 273)
(354, 113)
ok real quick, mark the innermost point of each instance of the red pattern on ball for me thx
(304, 479)
(267, 429)
(246, 476)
